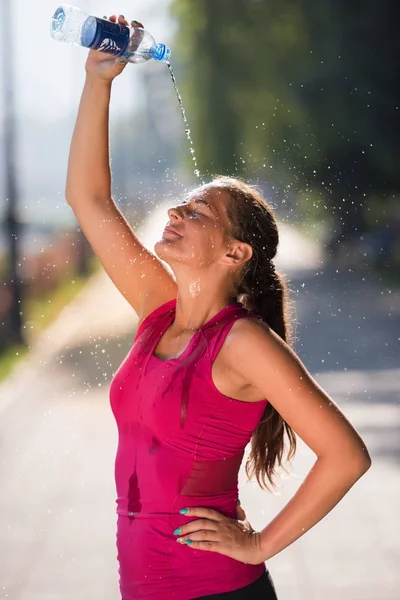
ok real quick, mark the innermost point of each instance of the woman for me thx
(210, 369)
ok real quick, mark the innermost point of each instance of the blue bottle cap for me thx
(161, 52)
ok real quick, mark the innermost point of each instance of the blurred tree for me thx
(351, 98)
(209, 84)
(13, 319)
(306, 89)
(236, 59)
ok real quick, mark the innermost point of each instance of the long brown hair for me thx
(263, 290)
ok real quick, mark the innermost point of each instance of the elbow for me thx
(367, 462)
(351, 464)
(69, 195)
(75, 196)
(73, 193)
(360, 462)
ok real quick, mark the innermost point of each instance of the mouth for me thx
(171, 230)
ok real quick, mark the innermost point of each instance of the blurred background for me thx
(298, 97)
(40, 94)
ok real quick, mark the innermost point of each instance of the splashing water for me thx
(187, 130)
(194, 288)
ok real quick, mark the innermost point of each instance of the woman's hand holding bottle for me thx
(104, 66)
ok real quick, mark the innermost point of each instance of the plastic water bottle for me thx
(72, 25)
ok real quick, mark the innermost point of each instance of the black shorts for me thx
(261, 589)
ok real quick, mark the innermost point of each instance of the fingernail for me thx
(178, 531)
(238, 501)
(184, 511)
(122, 16)
(122, 62)
(179, 539)
(188, 542)
(105, 17)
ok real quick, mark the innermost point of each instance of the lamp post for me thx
(11, 223)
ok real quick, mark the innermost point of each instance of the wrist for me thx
(259, 551)
(267, 544)
(96, 81)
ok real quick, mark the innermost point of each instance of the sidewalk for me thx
(58, 441)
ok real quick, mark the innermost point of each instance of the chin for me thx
(169, 254)
(165, 251)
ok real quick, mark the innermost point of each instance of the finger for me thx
(122, 20)
(199, 524)
(203, 535)
(241, 515)
(137, 24)
(208, 546)
(113, 18)
(205, 513)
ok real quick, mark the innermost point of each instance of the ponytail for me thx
(263, 290)
(266, 295)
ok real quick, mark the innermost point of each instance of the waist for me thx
(153, 565)
(172, 480)
(164, 506)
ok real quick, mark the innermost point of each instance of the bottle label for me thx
(112, 38)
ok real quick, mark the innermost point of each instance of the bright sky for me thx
(49, 74)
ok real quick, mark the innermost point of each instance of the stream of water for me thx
(185, 121)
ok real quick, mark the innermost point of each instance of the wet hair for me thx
(260, 288)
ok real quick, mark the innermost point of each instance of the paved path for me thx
(58, 440)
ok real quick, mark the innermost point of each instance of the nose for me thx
(174, 213)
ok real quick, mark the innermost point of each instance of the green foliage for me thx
(305, 88)
(39, 312)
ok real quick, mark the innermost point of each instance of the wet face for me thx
(198, 230)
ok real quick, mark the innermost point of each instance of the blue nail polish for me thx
(188, 542)
(238, 501)
(178, 531)
(184, 511)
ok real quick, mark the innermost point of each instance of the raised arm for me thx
(138, 274)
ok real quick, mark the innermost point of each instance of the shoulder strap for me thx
(156, 314)
(217, 333)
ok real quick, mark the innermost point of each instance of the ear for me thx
(238, 254)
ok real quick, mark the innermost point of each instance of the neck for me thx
(199, 299)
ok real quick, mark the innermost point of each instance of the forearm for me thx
(89, 173)
(325, 485)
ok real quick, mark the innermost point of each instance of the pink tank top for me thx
(181, 443)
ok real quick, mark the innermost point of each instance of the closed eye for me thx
(203, 203)
(195, 205)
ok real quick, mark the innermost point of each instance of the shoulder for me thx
(250, 333)
(254, 350)
(271, 367)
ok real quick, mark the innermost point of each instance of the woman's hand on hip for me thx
(214, 532)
